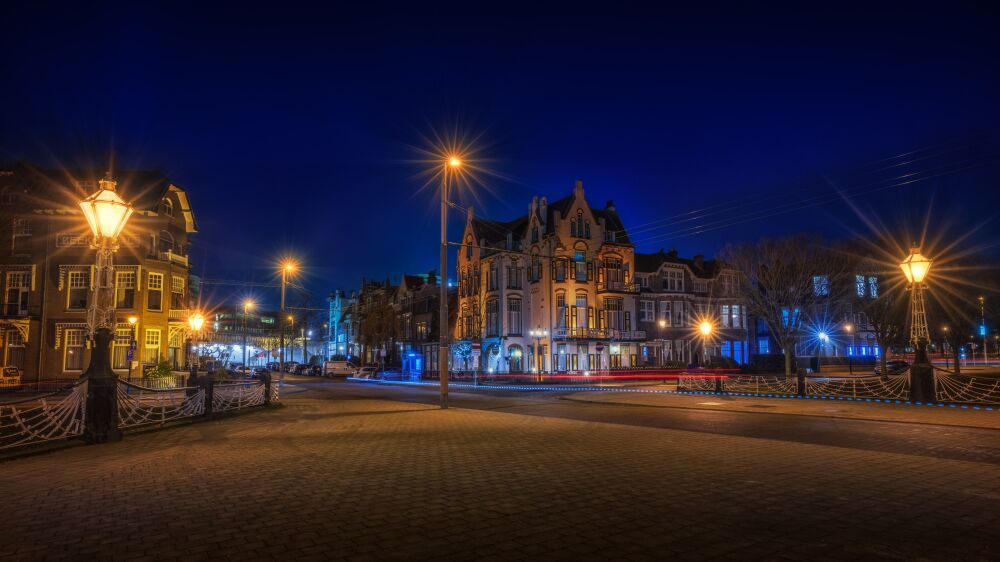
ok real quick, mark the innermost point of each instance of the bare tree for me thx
(791, 284)
(883, 304)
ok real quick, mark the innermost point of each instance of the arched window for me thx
(167, 207)
(468, 248)
(534, 234)
(578, 224)
(586, 229)
(166, 241)
(515, 359)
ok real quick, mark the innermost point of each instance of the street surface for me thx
(349, 470)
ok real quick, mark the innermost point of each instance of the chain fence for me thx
(48, 417)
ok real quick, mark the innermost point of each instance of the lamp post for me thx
(705, 328)
(106, 213)
(247, 305)
(663, 344)
(450, 166)
(538, 335)
(196, 321)
(132, 321)
(982, 328)
(287, 267)
(821, 350)
(915, 268)
(850, 351)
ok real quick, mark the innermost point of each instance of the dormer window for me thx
(534, 235)
(609, 235)
(167, 208)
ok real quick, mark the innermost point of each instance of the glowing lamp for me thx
(823, 336)
(132, 320)
(196, 321)
(106, 212)
(915, 266)
(454, 161)
(705, 328)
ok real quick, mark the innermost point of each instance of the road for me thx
(356, 471)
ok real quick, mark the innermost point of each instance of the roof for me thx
(651, 263)
(50, 189)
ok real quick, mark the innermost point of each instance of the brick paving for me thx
(328, 478)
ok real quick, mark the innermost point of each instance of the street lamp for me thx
(705, 328)
(247, 306)
(538, 335)
(663, 344)
(288, 267)
(132, 321)
(915, 267)
(106, 213)
(451, 166)
(196, 321)
(850, 351)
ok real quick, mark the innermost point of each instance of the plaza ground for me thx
(362, 471)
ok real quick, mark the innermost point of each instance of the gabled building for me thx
(418, 298)
(552, 290)
(676, 295)
(46, 270)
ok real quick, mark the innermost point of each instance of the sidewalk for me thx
(832, 408)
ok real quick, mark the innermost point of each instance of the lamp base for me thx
(102, 393)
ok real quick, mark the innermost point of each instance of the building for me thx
(226, 329)
(552, 290)
(675, 296)
(418, 300)
(47, 270)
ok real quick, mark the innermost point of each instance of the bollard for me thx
(266, 377)
(800, 382)
(718, 383)
(209, 385)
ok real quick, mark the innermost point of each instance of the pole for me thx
(443, 306)
(244, 338)
(982, 328)
(281, 346)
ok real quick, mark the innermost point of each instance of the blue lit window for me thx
(873, 287)
(763, 346)
(859, 283)
(821, 285)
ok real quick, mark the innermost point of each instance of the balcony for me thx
(617, 287)
(599, 334)
(178, 314)
(171, 257)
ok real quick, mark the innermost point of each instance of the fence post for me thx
(718, 382)
(101, 423)
(266, 377)
(800, 380)
(209, 385)
(922, 377)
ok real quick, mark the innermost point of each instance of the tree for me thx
(883, 304)
(791, 284)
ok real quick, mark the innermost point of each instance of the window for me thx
(421, 330)
(821, 286)
(665, 313)
(492, 277)
(700, 286)
(166, 241)
(613, 313)
(724, 312)
(561, 311)
(581, 270)
(73, 358)
(679, 319)
(177, 293)
(167, 208)
(859, 285)
(79, 286)
(586, 229)
(535, 273)
(514, 276)
(785, 319)
(534, 235)
(560, 270)
(21, 237)
(673, 280)
(729, 284)
(468, 249)
(763, 346)
(647, 311)
(16, 297)
(151, 346)
(154, 292)
(124, 289)
(119, 349)
(873, 287)
(513, 317)
(492, 318)
(609, 235)
(738, 316)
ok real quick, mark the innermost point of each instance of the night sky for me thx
(293, 127)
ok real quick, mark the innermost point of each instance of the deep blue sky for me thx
(291, 125)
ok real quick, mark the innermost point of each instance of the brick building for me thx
(46, 270)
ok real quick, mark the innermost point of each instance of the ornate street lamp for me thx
(106, 213)
(132, 321)
(915, 267)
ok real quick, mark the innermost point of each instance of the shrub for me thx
(162, 370)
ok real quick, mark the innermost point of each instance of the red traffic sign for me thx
(599, 347)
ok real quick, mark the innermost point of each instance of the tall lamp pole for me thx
(850, 351)
(132, 321)
(106, 214)
(982, 328)
(196, 321)
(450, 167)
(247, 305)
(287, 267)
(915, 268)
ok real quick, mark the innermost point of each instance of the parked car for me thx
(258, 371)
(341, 369)
(367, 373)
(315, 371)
(290, 366)
(894, 367)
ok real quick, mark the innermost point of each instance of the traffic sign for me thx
(128, 354)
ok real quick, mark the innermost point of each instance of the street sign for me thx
(129, 354)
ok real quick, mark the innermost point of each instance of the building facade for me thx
(550, 291)
(46, 271)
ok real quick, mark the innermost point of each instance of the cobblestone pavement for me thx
(360, 478)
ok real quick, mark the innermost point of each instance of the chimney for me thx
(469, 214)
(543, 206)
(699, 261)
(610, 206)
(578, 189)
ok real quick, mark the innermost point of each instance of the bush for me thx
(162, 370)
(220, 374)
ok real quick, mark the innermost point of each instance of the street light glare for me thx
(823, 336)
(248, 304)
(132, 320)
(705, 328)
(454, 161)
(196, 321)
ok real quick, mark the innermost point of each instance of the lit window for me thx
(154, 293)
(124, 289)
(821, 286)
(859, 285)
(79, 286)
(73, 359)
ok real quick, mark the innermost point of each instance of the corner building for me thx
(550, 291)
